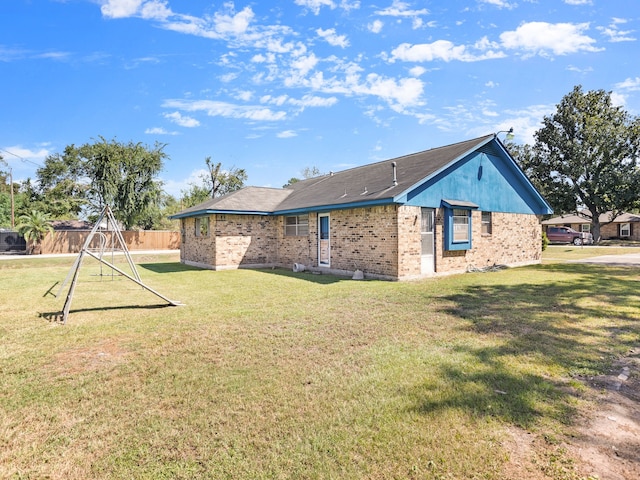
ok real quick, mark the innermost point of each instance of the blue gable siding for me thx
(489, 180)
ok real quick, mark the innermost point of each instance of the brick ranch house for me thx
(625, 226)
(435, 212)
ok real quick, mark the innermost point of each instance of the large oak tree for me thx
(586, 156)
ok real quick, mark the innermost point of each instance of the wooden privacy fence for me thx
(71, 241)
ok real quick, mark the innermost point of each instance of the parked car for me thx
(568, 235)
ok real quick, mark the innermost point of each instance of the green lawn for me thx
(274, 374)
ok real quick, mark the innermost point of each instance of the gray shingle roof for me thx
(372, 183)
(585, 217)
(249, 199)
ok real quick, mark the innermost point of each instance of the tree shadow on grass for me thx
(319, 278)
(169, 267)
(533, 338)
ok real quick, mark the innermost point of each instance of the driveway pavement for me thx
(629, 259)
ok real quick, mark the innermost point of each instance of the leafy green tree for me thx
(124, 177)
(62, 185)
(34, 227)
(84, 179)
(586, 156)
(195, 195)
(216, 182)
(156, 216)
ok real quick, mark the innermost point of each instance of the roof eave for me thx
(336, 206)
(403, 195)
(213, 211)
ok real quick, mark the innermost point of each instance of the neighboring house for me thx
(440, 211)
(625, 226)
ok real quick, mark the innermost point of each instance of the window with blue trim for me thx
(457, 229)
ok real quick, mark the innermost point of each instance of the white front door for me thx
(427, 227)
(324, 241)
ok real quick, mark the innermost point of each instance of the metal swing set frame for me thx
(107, 215)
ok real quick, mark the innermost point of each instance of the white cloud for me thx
(305, 63)
(578, 2)
(446, 51)
(417, 71)
(405, 92)
(313, 101)
(542, 38)
(376, 26)
(244, 95)
(236, 24)
(54, 55)
(619, 99)
(155, 10)
(121, 8)
(287, 134)
(401, 9)
(527, 121)
(615, 34)
(279, 100)
(500, 4)
(17, 151)
(175, 187)
(315, 5)
(227, 110)
(332, 38)
(183, 121)
(148, 9)
(159, 131)
(630, 84)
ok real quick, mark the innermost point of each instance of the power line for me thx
(21, 158)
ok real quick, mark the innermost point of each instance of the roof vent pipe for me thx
(395, 177)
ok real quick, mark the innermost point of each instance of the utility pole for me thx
(13, 221)
(13, 208)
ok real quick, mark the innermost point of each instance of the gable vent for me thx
(489, 149)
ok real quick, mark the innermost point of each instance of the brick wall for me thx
(410, 242)
(244, 240)
(365, 239)
(611, 230)
(197, 250)
(297, 249)
(233, 241)
(515, 239)
(382, 241)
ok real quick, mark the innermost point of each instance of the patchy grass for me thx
(275, 374)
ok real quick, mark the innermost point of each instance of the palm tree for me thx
(34, 227)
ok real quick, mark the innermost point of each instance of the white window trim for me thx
(625, 227)
(300, 228)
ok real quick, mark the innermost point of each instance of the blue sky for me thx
(274, 87)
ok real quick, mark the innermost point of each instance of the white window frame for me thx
(298, 227)
(585, 227)
(625, 227)
(460, 224)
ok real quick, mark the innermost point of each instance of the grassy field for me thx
(273, 374)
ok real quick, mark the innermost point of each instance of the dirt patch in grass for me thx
(608, 441)
(605, 444)
(104, 355)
